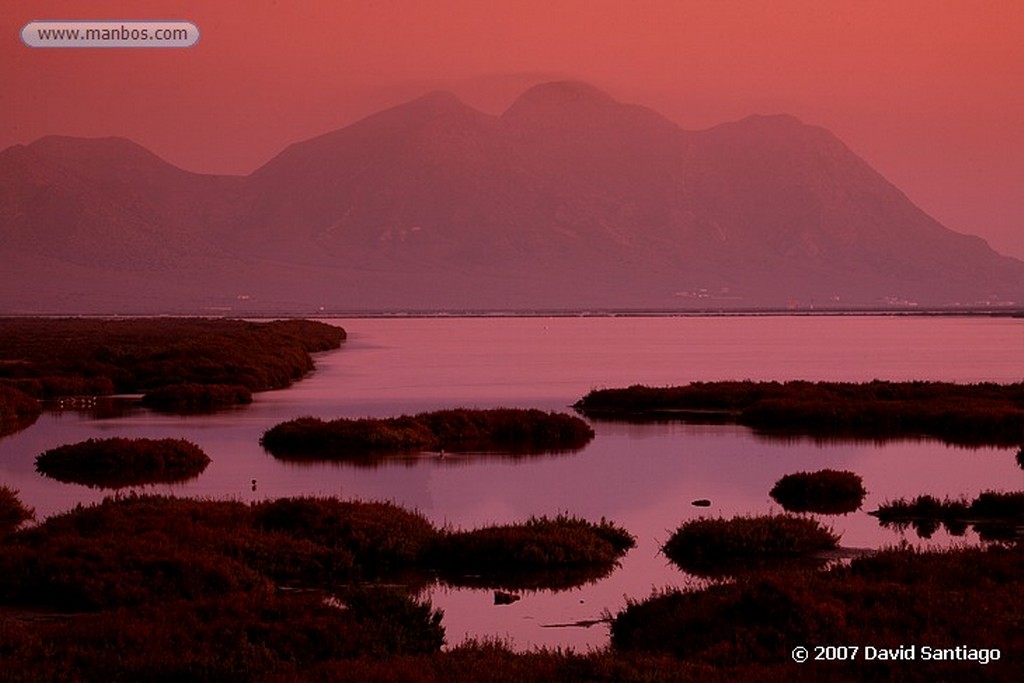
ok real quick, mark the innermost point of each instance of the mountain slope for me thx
(569, 199)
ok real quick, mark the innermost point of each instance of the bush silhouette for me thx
(119, 462)
(825, 492)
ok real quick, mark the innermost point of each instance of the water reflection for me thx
(17, 423)
(95, 407)
(994, 515)
(540, 579)
(989, 532)
(376, 460)
(720, 568)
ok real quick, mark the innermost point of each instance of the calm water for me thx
(640, 476)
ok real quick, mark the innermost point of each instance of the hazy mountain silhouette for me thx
(569, 199)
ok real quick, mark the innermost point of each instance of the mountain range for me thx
(569, 200)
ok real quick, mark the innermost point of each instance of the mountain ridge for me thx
(568, 199)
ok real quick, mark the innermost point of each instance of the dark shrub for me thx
(74, 573)
(504, 554)
(13, 512)
(51, 358)
(973, 414)
(938, 596)
(235, 637)
(515, 430)
(379, 536)
(342, 438)
(824, 492)
(196, 398)
(754, 620)
(996, 505)
(18, 410)
(119, 462)
(711, 545)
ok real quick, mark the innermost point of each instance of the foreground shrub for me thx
(963, 597)
(196, 398)
(13, 512)
(379, 536)
(753, 620)
(141, 549)
(824, 492)
(515, 430)
(708, 545)
(119, 462)
(487, 661)
(237, 637)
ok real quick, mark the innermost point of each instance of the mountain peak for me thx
(103, 148)
(101, 157)
(438, 99)
(559, 96)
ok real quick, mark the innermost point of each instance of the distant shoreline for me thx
(1013, 312)
(949, 312)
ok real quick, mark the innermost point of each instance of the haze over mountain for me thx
(567, 200)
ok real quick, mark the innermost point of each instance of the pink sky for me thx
(930, 93)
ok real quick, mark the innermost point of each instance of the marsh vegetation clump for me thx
(557, 552)
(143, 587)
(118, 462)
(967, 414)
(254, 636)
(18, 410)
(826, 491)
(459, 430)
(49, 358)
(196, 398)
(876, 599)
(380, 537)
(717, 545)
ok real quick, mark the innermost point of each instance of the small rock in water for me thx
(701, 503)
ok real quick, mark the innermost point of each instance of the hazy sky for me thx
(931, 93)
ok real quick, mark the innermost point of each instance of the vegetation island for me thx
(179, 364)
(827, 492)
(715, 546)
(507, 429)
(966, 414)
(119, 462)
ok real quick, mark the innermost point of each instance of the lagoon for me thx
(642, 477)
